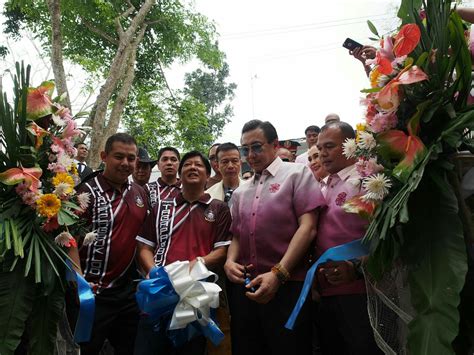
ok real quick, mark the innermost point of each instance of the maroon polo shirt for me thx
(196, 229)
(160, 190)
(116, 217)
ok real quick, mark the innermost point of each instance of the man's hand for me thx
(234, 271)
(267, 286)
(363, 53)
(338, 272)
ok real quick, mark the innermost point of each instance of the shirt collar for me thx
(344, 174)
(272, 169)
(162, 183)
(204, 199)
(107, 187)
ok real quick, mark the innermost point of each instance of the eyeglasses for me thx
(212, 157)
(256, 148)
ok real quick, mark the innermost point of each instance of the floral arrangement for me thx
(39, 208)
(416, 119)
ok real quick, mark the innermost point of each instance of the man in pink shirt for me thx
(342, 318)
(274, 223)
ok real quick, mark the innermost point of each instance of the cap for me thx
(143, 157)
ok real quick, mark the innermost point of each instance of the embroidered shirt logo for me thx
(341, 198)
(139, 201)
(274, 188)
(209, 215)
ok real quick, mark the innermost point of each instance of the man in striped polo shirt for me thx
(168, 185)
(191, 226)
(116, 212)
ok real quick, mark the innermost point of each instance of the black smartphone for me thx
(350, 44)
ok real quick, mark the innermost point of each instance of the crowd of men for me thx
(259, 231)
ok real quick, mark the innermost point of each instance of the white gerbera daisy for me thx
(349, 148)
(62, 189)
(58, 121)
(84, 199)
(376, 186)
(65, 160)
(89, 238)
(64, 239)
(366, 141)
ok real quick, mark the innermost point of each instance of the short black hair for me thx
(312, 128)
(192, 154)
(268, 129)
(168, 149)
(119, 137)
(225, 147)
(212, 146)
(80, 143)
(346, 129)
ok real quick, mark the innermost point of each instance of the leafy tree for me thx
(126, 42)
(194, 117)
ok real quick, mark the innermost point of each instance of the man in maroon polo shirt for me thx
(199, 228)
(168, 185)
(116, 212)
(274, 223)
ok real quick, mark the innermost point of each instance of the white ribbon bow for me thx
(196, 297)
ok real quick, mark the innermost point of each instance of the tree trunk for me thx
(126, 39)
(57, 50)
(129, 75)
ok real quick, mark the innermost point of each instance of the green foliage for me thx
(16, 302)
(435, 250)
(193, 119)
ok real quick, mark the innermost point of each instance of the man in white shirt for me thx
(228, 162)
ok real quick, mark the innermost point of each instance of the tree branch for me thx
(99, 32)
(167, 84)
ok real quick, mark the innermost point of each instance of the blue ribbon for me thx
(157, 298)
(85, 319)
(346, 251)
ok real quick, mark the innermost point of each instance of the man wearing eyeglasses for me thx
(274, 222)
(217, 177)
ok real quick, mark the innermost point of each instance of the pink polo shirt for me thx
(265, 214)
(338, 227)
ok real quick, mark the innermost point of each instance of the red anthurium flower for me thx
(384, 64)
(395, 144)
(406, 40)
(39, 101)
(14, 176)
(360, 206)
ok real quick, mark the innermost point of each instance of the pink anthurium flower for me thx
(38, 132)
(409, 149)
(14, 176)
(389, 98)
(39, 101)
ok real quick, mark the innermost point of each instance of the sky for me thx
(285, 57)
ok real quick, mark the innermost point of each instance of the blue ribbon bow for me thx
(157, 298)
(346, 251)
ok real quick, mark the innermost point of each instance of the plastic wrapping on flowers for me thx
(417, 117)
(39, 211)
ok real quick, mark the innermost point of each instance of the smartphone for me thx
(350, 44)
